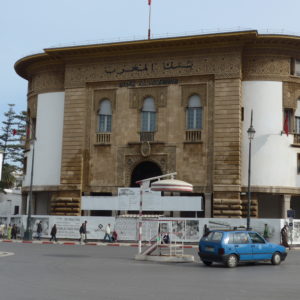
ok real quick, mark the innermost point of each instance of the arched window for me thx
(105, 115)
(194, 113)
(148, 118)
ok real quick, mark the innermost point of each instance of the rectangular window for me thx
(105, 123)
(297, 125)
(297, 67)
(194, 118)
(148, 121)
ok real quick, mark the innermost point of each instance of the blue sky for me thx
(29, 26)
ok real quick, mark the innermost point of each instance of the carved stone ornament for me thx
(137, 96)
(222, 65)
(291, 93)
(129, 157)
(145, 149)
(191, 89)
(267, 66)
(47, 81)
(100, 95)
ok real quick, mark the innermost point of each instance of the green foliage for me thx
(8, 179)
(12, 142)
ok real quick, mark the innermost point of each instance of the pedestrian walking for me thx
(39, 230)
(9, 228)
(14, 231)
(82, 233)
(53, 233)
(2, 230)
(284, 236)
(85, 231)
(205, 230)
(266, 232)
(107, 233)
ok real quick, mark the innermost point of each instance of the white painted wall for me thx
(48, 144)
(274, 161)
(9, 200)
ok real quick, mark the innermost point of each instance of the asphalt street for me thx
(63, 272)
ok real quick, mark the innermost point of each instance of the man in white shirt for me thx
(107, 233)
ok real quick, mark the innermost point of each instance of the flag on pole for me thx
(286, 124)
(149, 2)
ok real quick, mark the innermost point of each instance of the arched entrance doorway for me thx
(146, 169)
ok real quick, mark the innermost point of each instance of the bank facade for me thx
(104, 116)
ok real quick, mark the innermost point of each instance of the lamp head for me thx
(251, 132)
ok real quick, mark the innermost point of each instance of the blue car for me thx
(233, 247)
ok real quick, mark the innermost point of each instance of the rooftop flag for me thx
(149, 29)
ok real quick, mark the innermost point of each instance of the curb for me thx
(135, 245)
(122, 244)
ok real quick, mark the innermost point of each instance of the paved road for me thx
(61, 272)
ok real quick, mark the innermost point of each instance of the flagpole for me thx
(149, 28)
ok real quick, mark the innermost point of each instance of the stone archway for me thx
(143, 170)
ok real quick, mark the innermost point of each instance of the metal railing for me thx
(193, 135)
(103, 138)
(147, 136)
(296, 138)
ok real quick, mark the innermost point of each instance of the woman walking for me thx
(53, 233)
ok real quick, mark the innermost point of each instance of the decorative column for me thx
(286, 205)
(207, 205)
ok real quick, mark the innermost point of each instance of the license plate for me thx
(209, 249)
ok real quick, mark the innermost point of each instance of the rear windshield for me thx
(213, 236)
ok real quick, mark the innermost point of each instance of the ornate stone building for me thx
(107, 115)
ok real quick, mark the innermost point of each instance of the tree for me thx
(12, 141)
(8, 129)
(18, 141)
(8, 179)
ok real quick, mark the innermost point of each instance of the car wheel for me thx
(207, 263)
(276, 258)
(232, 261)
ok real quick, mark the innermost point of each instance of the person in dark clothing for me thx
(53, 233)
(82, 233)
(39, 230)
(284, 236)
(166, 238)
(85, 231)
(205, 230)
(14, 231)
(114, 236)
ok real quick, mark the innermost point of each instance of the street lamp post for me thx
(8, 212)
(251, 133)
(28, 231)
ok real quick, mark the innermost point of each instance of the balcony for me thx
(103, 138)
(297, 138)
(147, 136)
(193, 136)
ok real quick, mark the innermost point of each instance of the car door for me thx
(261, 249)
(239, 243)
